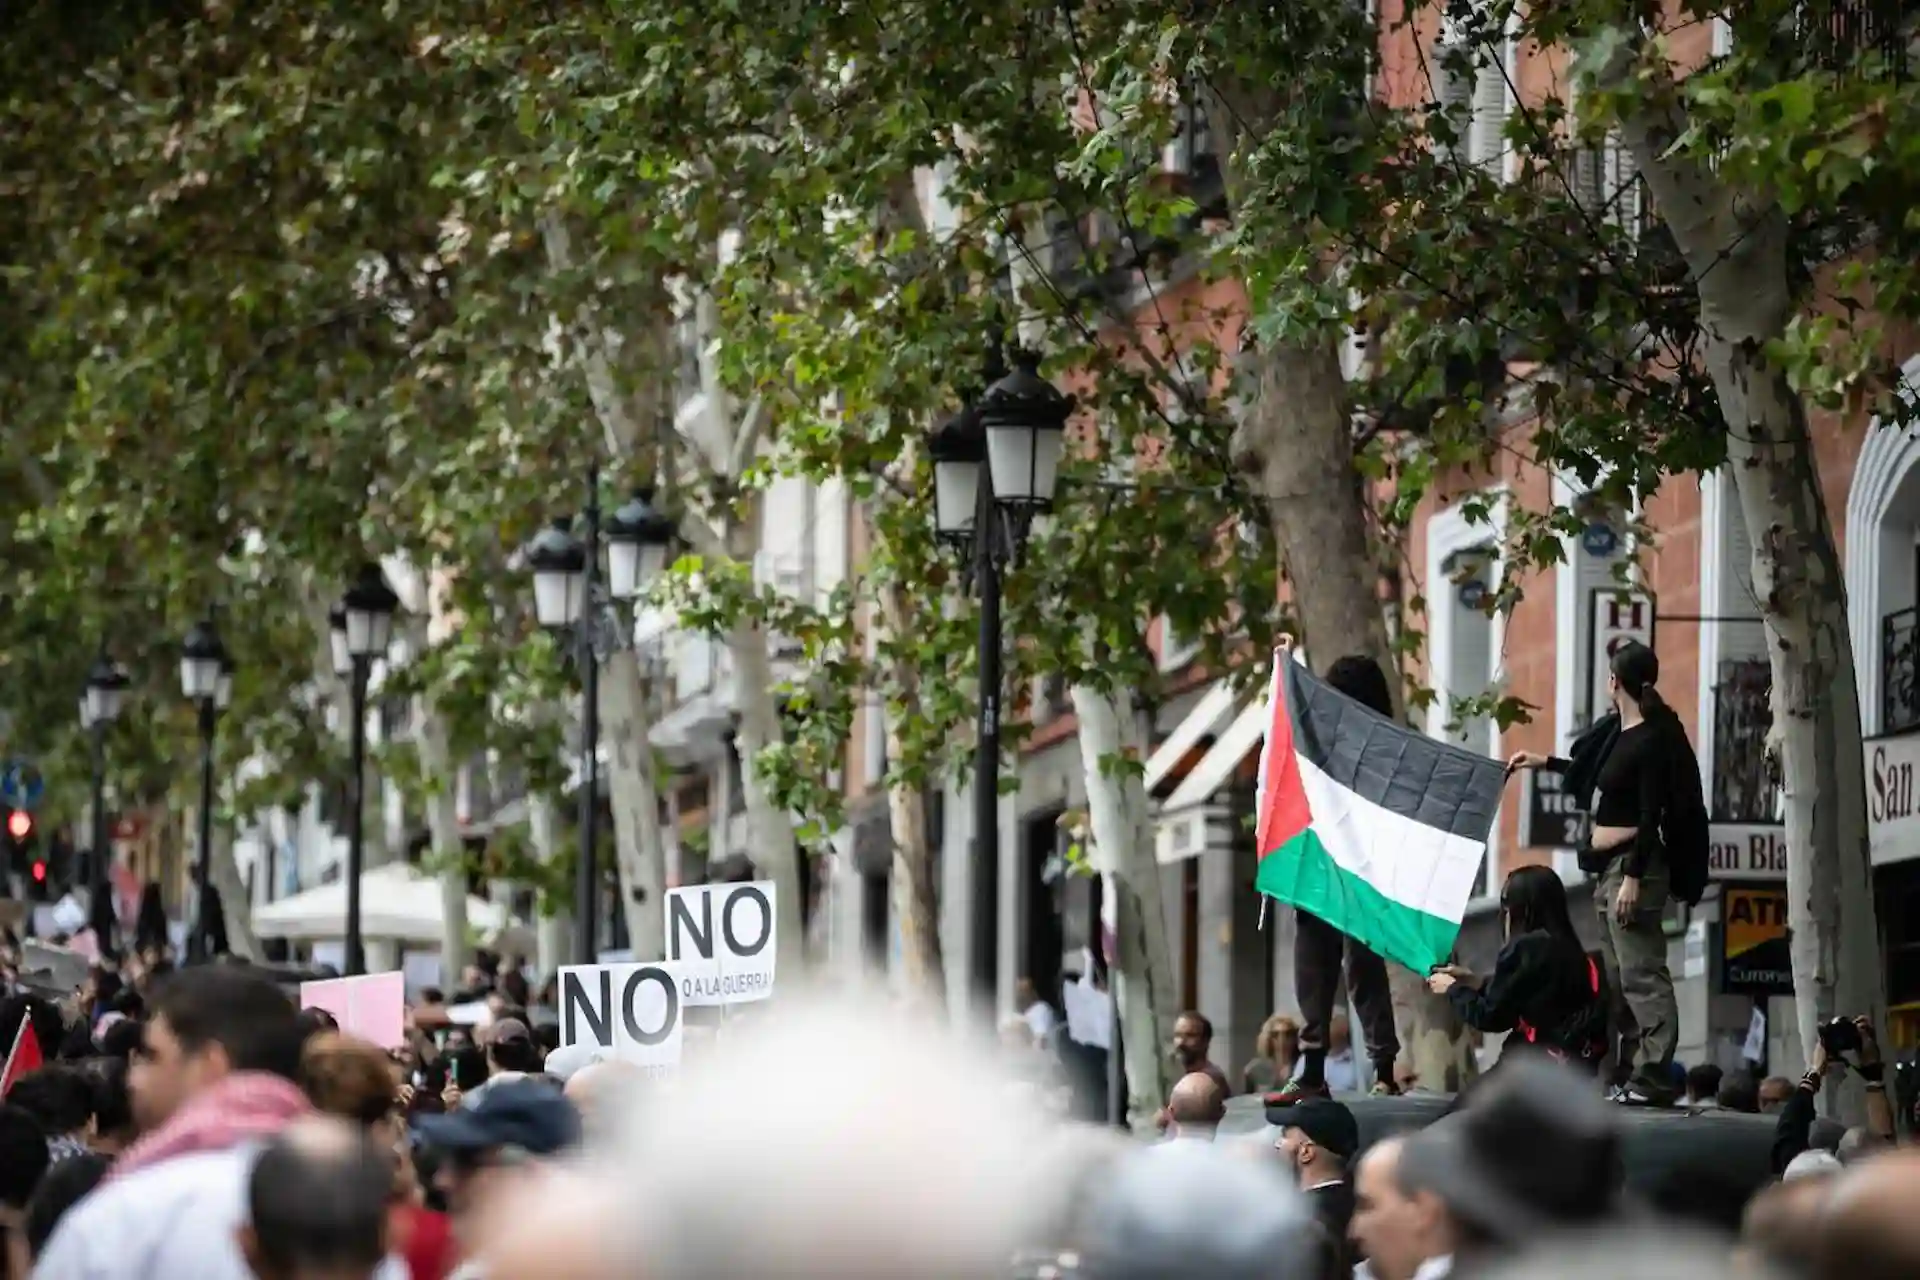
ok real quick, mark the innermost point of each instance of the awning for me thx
(1204, 720)
(1228, 752)
(397, 903)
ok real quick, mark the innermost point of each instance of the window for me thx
(1472, 69)
(1599, 559)
(1735, 714)
(1176, 649)
(1464, 637)
(874, 714)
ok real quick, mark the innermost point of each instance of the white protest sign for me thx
(632, 1011)
(720, 938)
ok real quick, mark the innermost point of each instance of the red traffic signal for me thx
(40, 872)
(19, 824)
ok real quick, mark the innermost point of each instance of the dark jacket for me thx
(1542, 982)
(1333, 1209)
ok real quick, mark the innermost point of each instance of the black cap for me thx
(528, 1115)
(1328, 1123)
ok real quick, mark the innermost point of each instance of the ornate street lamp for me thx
(958, 450)
(1025, 418)
(100, 706)
(204, 668)
(639, 537)
(559, 563)
(362, 627)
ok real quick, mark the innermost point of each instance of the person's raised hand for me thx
(1524, 760)
(1441, 982)
(1869, 1044)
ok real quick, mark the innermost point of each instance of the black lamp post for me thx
(100, 706)
(361, 626)
(995, 464)
(566, 592)
(204, 673)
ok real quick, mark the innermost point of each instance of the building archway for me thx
(1882, 557)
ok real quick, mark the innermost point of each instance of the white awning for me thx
(1204, 720)
(397, 903)
(1241, 740)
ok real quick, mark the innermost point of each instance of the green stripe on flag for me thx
(1303, 874)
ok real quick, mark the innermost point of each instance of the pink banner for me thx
(373, 1007)
(377, 1008)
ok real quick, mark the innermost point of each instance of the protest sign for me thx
(633, 1011)
(373, 1007)
(720, 936)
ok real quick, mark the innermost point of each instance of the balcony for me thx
(1745, 788)
(1837, 34)
(1900, 671)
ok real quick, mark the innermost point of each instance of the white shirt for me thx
(1432, 1269)
(1342, 1076)
(171, 1221)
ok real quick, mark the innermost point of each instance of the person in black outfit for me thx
(1633, 768)
(1317, 948)
(1545, 988)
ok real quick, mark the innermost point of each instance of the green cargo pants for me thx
(1645, 1017)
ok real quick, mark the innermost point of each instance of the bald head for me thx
(317, 1202)
(591, 1085)
(1197, 1101)
(1870, 1229)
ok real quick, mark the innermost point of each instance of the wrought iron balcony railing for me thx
(1900, 671)
(1746, 787)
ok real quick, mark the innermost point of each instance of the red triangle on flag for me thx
(23, 1058)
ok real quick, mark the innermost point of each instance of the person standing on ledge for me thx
(1317, 948)
(1634, 767)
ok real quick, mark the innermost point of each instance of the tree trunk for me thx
(1737, 252)
(775, 850)
(1297, 440)
(634, 789)
(916, 896)
(1117, 810)
(443, 829)
(552, 933)
(235, 905)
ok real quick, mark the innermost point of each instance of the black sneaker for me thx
(1634, 1093)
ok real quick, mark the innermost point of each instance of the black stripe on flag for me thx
(1435, 783)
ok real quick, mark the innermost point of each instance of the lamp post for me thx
(360, 627)
(995, 465)
(566, 591)
(106, 693)
(203, 671)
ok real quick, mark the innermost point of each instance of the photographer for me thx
(1838, 1037)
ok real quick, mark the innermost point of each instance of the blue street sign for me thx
(21, 785)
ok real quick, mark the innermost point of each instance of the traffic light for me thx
(24, 853)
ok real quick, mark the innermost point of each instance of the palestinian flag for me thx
(1374, 828)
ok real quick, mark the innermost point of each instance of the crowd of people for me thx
(194, 1123)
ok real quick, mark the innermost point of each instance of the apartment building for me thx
(1686, 588)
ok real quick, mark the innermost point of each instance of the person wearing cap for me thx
(1533, 1151)
(489, 1148)
(1319, 1138)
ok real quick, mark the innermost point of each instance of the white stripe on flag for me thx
(1410, 863)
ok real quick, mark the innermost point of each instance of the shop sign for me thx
(1747, 851)
(1755, 950)
(1618, 617)
(1893, 826)
(1549, 818)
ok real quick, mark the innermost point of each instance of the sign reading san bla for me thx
(1747, 851)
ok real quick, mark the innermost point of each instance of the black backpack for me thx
(1683, 827)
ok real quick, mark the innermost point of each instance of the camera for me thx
(1839, 1036)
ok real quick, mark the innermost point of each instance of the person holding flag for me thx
(1375, 835)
